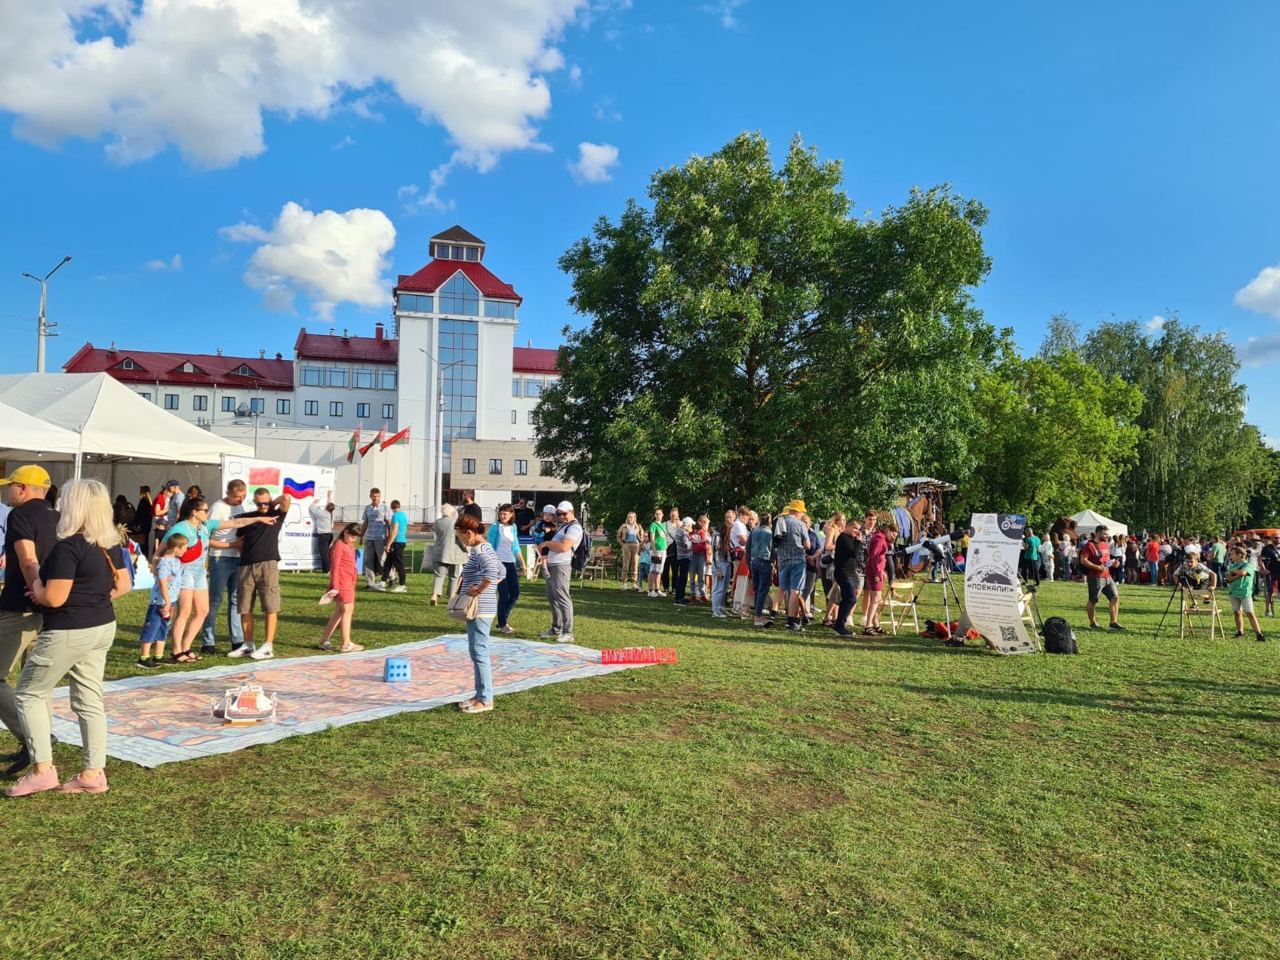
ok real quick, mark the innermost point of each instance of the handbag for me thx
(463, 606)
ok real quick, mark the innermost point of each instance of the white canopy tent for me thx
(109, 421)
(1087, 521)
(22, 434)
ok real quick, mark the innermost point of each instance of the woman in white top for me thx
(504, 537)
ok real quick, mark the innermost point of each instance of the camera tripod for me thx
(1194, 604)
(949, 592)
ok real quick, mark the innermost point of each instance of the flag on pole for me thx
(391, 441)
(382, 435)
(352, 444)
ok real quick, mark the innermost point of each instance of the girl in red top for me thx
(877, 554)
(342, 588)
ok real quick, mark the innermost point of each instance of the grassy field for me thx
(769, 796)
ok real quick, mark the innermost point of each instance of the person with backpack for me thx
(559, 552)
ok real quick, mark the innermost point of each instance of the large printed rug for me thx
(162, 719)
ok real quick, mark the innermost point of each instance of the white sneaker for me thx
(244, 650)
(661, 593)
(651, 594)
(565, 638)
(719, 616)
(262, 653)
(399, 588)
(378, 585)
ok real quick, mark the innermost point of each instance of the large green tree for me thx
(1198, 462)
(748, 339)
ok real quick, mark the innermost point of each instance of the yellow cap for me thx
(28, 476)
(796, 506)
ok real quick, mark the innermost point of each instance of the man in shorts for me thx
(260, 572)
(1240, 574)
(1095, 560)
(790, 538)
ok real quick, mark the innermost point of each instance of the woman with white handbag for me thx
(476, 603)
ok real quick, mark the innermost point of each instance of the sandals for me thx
(326, 645)
(351, 648)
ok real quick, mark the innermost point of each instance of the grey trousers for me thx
(82, 655)
(17, 635)
(558, 597)
(444, 573)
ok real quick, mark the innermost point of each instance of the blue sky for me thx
(1127, 152)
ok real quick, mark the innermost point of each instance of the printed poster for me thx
(304, 483)
(991, 588)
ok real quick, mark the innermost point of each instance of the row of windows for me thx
(495, 467)
(446, 251)
(458, 296)
(361, 379)
(310, 408)
(528, 386)
(515, 417)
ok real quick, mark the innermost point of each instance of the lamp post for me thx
(43, 327)
(244, 410)
(438, 492)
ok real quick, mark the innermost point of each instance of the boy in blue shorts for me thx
(155, 628)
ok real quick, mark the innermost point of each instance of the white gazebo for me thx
(1088, 521)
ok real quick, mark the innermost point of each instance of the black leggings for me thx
(395, 562)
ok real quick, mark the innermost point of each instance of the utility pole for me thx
(44, 328)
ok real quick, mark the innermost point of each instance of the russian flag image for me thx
(299, 490)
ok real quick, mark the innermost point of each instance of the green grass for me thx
(766, 797)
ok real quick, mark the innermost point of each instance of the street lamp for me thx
(244, 410)
(43, 327)
(439, 478)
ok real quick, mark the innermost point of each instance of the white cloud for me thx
(173, 264)
(347, 141)
(1155, 323)
(725, 10)
(594, 163)
(1262, 293)
(606, 111)
(329, 257)
(575, 75)
(201, 74)
(1259, 351)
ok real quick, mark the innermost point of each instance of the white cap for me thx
(687, 523)
(564, 506)
(1193, 548)
(549, 509)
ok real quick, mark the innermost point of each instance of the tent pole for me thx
(79, 453)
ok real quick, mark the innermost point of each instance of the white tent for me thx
(22, 434)
(110, 421)
(1087, 521)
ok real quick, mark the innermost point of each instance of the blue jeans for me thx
(478, 646)
(1153, 568)
(223, 573)
(720, 592)
(508, 593)
(761, 578)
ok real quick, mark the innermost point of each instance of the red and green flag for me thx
(382, 435)
(352, 444)
(400, 437)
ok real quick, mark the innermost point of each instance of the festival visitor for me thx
(121, 512)
(446, 556)
(760, 563)
(669, 561)
(397, 540)
(738, 535)
(791, 540)
(812, 555)
(76, 584)
(374, 530)
(873, 582)
(643, 559)
(544, 529)
(628, 537)
(195, 524)
(683, 551)
(164, 511)
(164, 594)
(224, 568)
(826, 563)
(848, 570)
(1047, 561)
(30, 533)
(142, 517)
(1095, 560)
(1029, 565)
(469, 506)
(481, 572)
(504, 537)
(260, 571)
(700, 559)
(1240, 574)
(558, 554)
(657, 553)
(1192, 573)
(1131, 561)
(525, 519)
(342, 589)
(722, 554)
(1270, 560)
(321, 528)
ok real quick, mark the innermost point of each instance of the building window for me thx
(533, 387)
(473, 253)
(257, 405)
(515, 386)
(458, 351)
(244, 371)
(282, 407)
(522, 468)
(171, 401)
(499, 309)
(460, 297)
(338, 377)
(495, 466)
(228, 404)
(529, 417)
(362, 411)
(188, 367)
(468, 465)
(364, 379)
(128, 364)
(388, 379)
(312, 376)
(416, 303)
(311, 408)
(546, 467)
(200, 401)
(145, 396)
(515, 418)
(388, 411)
(335, 408)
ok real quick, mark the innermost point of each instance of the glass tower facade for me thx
(459, 345)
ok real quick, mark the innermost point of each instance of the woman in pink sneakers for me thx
(77, 582)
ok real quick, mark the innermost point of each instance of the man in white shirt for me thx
(322, 528)
(558, 552)
(224, 569)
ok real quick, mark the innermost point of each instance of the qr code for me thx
(1008, 635)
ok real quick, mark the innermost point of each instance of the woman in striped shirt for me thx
(480, 576)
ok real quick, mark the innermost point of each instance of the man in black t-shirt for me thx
(260, 571)
(1270, 558)
(29, 536)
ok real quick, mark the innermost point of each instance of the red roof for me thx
(534, 360)
(433, 276)
(329, 346)
(210, 369)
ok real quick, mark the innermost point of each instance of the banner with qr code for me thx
(992, 592)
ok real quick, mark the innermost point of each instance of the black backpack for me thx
(580, 553)
(1059, 637)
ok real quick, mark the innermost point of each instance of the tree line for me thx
(748, 339)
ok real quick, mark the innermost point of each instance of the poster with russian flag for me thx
(306, 486)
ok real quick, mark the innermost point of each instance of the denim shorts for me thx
(791, 575)
(194, 576)
(155, 628)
